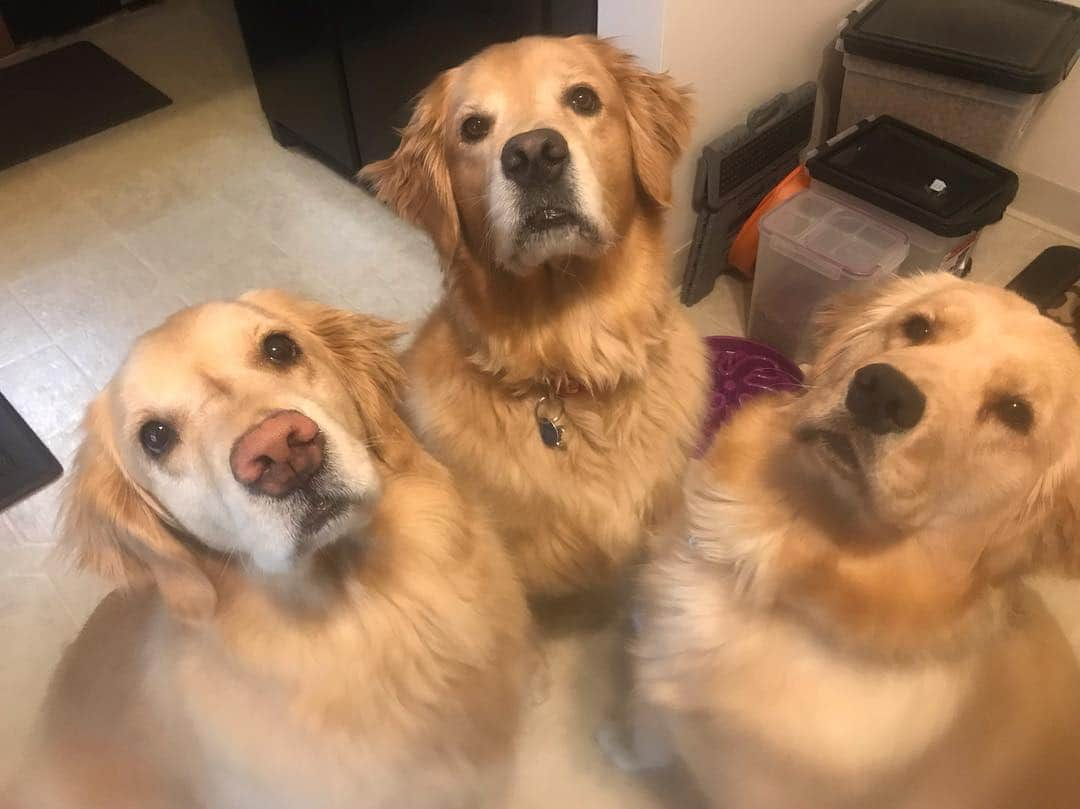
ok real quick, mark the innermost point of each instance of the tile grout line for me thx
(46, 437)
(155, 272)
(119, 236)
(76, 622)
(22, 305)
(86, 378)
(266, 232)
(14, 531)
(82, 374)
(18, 302)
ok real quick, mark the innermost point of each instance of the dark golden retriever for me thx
(558, 378)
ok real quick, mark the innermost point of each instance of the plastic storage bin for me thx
(812, 247)
(939, 194)
(970, 71)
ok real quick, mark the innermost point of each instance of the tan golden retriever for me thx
(542, 169)
(839, 620)
(318, 618)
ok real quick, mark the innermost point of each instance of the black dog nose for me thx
(535, 158)
(883, 400)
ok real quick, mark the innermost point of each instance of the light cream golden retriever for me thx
(558, 378)
(318, 618)
(840, 621)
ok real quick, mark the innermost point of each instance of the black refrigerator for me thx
(339, 77)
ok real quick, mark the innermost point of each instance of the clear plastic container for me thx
(812, 247)
(927, 252)
(937, 193)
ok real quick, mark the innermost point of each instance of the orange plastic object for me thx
(743, 252)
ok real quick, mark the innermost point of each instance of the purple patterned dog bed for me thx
(741, 369)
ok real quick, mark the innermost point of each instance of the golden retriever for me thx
(319, 619)
(839, 620)
(558, 378)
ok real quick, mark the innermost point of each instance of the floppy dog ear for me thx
(1058, 540)
(659, 115)
(362, 349)
(836, 327)
(414, 181)
(110, 526)
(842, 316)
(863, 307)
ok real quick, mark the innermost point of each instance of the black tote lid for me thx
(916, 176)
(1023, 45)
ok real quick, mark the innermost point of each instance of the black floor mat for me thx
(25, 463)
(65, 95)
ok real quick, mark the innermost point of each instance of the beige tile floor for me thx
(102, 239)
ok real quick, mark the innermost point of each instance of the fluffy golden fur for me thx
(525, 314)
(377, 663)
(839, 618)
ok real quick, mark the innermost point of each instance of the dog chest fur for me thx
(767, 684)
(571, 517)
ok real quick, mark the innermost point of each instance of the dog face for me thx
(535, 151)
(938, 403)
(249, 428)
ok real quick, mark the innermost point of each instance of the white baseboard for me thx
(678, 263)
(1048, 205)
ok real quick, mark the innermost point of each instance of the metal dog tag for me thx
(549, 411)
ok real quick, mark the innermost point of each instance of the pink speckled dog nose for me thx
(279, 455)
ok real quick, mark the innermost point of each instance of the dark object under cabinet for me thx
(30, 20)
(339, 77)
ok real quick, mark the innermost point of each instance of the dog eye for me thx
(917, 329)
(1014, 412)
(475, 128)
(157, 437)
(583, 99)
(280, 349)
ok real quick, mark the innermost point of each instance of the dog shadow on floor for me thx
(602, 681)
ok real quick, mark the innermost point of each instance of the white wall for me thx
(1049, 148)
(736, 54)
(637, 24)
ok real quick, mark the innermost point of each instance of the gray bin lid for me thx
(1027, 46)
